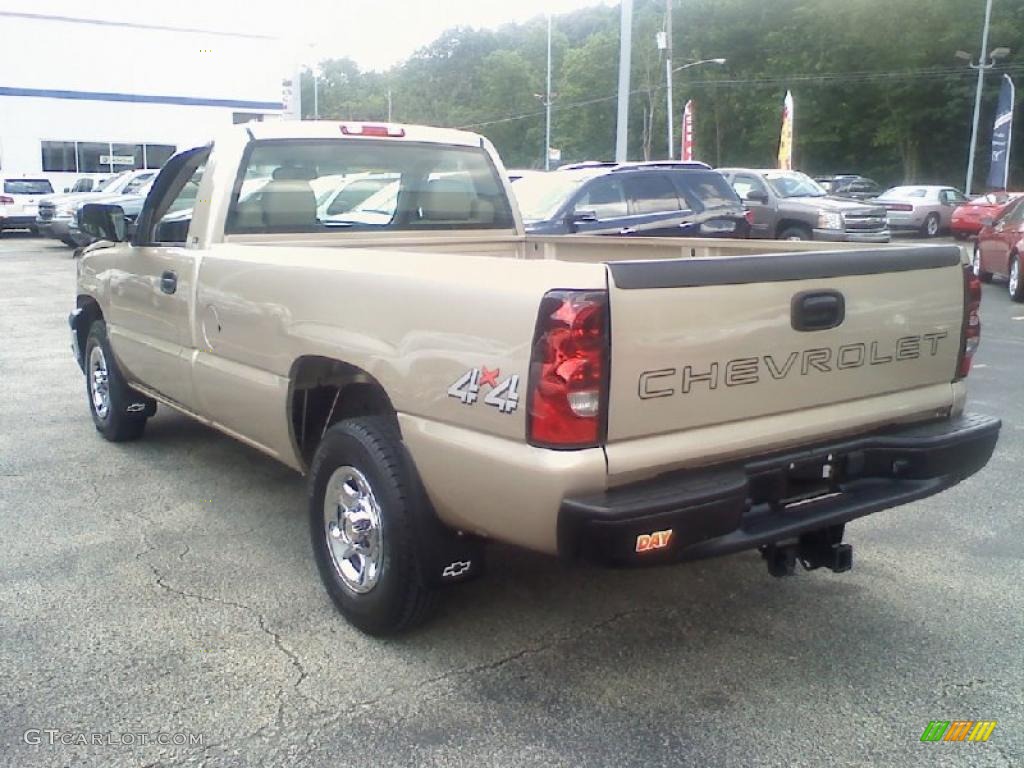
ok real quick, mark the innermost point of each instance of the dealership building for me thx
(88, 97)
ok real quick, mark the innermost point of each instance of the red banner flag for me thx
(687, 149)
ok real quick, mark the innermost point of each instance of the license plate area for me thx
(797, 483)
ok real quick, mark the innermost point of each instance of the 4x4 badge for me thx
(503, 395)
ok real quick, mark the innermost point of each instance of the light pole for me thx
(982, 68)
(314, 69)
(668, 72)
(547, 107)
(625, 62)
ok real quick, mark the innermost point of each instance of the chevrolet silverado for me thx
(445, 380)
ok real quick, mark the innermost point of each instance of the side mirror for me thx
(580, 216)
(104, 222)
(756, 196)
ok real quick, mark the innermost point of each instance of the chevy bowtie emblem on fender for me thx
(504, 395)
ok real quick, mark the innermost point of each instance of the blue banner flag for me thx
(1002, 137)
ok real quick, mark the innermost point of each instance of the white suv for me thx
(19, 202)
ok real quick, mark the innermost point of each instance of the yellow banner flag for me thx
(786, 140)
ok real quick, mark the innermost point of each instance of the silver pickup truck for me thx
(789, 205)
(445, 380)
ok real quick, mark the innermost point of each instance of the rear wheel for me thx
(1015, 284)
(364, 500)
(69, 242)
(795, 232)
(985, 277)
(118, 411)
(930, 228)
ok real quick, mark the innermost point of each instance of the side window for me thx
(167, 213)
(605, 197)
(744, 185)
(1013, 214)
(652, 193)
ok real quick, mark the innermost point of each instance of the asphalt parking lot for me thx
(168, 586)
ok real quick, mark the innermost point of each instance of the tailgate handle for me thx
(818, 310)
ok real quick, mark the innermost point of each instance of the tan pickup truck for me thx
(360, 302)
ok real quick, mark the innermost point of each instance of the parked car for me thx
(641, 199)
(1000, 249)
(56, 214)
(130, 202)
(850, 185)
(445, 379)
(967, 218)
(87, 184)
(19, 202)
(789, 205)
(927, 209)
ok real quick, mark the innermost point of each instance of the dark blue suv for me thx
(656, 199)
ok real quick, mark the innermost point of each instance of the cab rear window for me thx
(337, 185)
(27, 187)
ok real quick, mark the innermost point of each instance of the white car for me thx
(19, 202)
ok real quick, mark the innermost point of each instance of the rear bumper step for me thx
(764, 500)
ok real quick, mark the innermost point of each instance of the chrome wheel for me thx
(1014, 276)
(932, 226)
(353, 530)
(99, 382)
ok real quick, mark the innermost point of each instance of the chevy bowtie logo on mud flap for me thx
(667, 382)
(456, 569)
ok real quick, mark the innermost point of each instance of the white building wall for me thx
(72, 80)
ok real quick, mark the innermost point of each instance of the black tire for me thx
(931, 227)
(1015, 283)
(796, 232)
(985, 277)
(124, 416)
(69, 242)
(399, 598)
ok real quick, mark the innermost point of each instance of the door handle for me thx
(627, 231)
(168, 283)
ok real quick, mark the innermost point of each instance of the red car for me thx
(999, 248)
(967, 217)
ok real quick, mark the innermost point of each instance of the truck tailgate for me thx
(709, 341)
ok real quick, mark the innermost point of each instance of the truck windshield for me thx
(794, 184)
(314, 185)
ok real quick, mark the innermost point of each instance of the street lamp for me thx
(982, 68)
(668, 77)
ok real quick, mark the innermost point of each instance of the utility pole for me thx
(547, 107)
(625, 63)
(389, 105)
(668, 77)
(981, 67)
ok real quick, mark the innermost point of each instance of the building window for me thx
(158, 154)
(91, 156)
(127, 157)
(59, 156)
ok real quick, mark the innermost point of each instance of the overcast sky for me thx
(375, 33)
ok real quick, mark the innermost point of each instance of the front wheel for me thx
(930, 228)
(795, 233)
(364, 500)
(118, 411)
(1015, 284)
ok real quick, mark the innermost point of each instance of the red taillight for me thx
(362, 129)
(971, 334)
(569, 371)
(898, 207)
(5, 200)
(749, 216)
